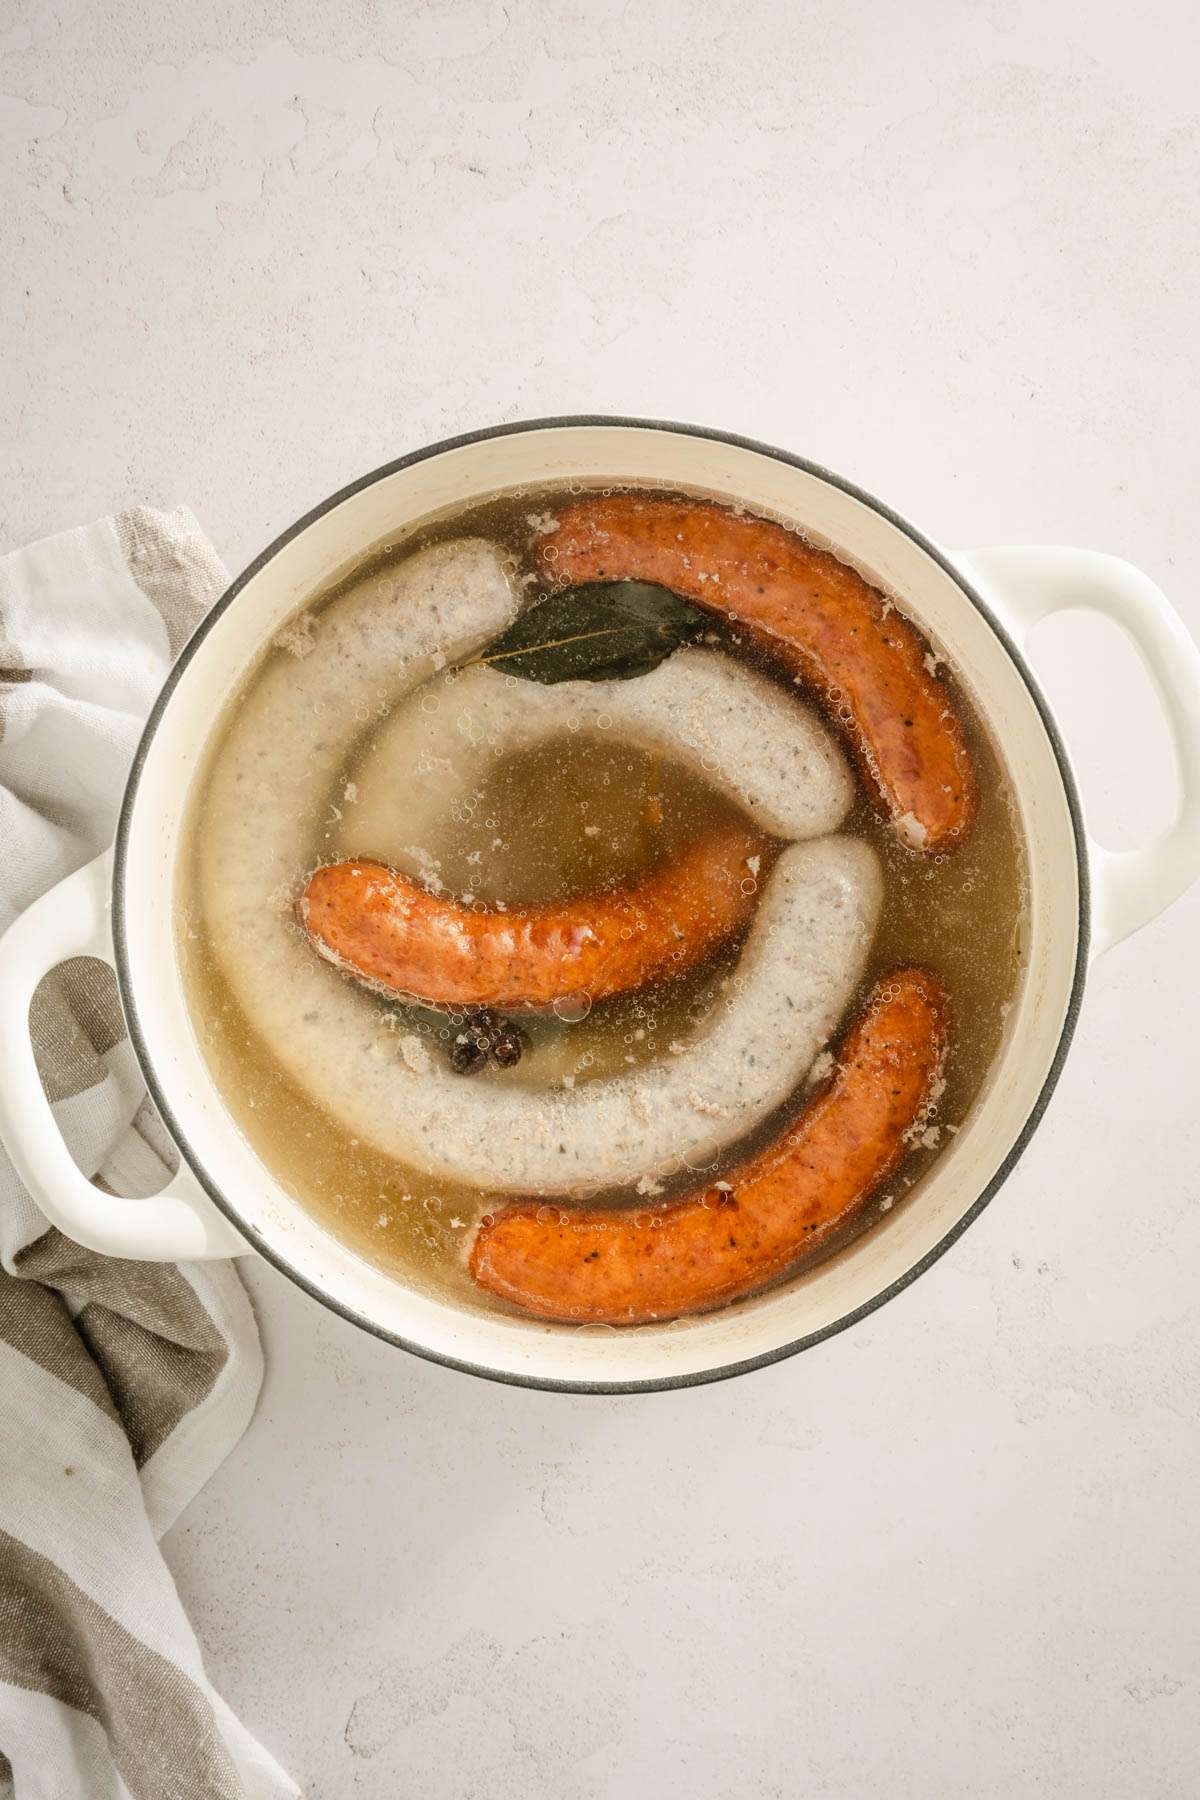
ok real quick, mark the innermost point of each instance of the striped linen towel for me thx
(123, 1385)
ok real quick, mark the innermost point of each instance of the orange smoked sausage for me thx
(394, 933)
(815, 615)
(630, 1266)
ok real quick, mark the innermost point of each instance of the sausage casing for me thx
(817, 616)
(628, 1266)
(392, 932)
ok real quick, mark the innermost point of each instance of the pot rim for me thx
(696, 1378)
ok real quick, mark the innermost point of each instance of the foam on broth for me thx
(566, 818)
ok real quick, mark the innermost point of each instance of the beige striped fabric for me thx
(123, 1385)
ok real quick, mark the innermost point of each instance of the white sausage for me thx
(764, 748)
(274, 776)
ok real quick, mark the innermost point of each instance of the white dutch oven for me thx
(976, 609)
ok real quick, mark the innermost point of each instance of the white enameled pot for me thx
(976, 609)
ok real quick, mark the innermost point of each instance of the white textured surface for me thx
(253, 250)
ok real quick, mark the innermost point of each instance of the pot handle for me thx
(180, 1223)
(1025, 584)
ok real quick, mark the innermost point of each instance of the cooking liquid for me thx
(570, 816)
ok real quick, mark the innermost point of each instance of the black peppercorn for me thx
(484, 1024)
(507, 1048)
(467, 1054)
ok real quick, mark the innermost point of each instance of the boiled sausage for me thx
(631, 1266)
(812, 613)
(392, 932)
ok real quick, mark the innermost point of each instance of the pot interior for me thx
(830, 515)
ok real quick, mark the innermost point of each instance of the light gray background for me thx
(949, 249)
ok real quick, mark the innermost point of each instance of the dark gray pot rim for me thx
(346, 1312)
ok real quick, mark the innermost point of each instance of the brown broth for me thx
(616, 811)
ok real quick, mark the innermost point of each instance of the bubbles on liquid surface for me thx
(954, 911)
(572, 1008)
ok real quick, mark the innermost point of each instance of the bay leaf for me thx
(598, 631)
